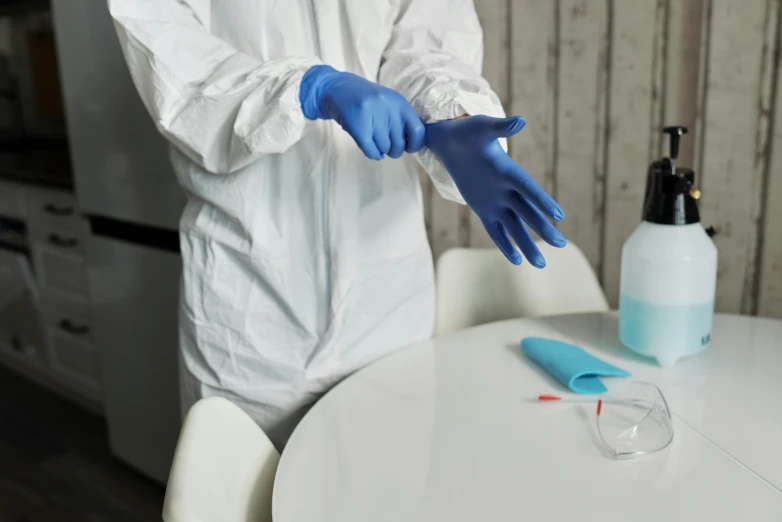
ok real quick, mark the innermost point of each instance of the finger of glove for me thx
(523, 239)
(500, 237)
(535, 219)
(360, 128)
(397, 135)
(415, 131)
(381, 130)
(504, 127)
(525, 185)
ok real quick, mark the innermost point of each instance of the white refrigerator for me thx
(127, 191)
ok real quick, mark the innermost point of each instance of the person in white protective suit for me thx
(304, 258)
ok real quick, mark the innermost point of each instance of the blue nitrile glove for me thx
(380, 120)
(499, 191)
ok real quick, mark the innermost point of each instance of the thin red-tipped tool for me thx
(599, 406)
(549, 398)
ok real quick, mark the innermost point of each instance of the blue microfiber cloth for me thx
(570, 365)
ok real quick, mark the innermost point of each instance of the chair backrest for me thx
(223, 468)
(477, 286)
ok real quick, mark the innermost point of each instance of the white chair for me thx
(223, 468)
(477, 286)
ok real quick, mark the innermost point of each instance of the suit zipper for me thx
(326, 184)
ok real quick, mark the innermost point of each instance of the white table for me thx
(449, 430)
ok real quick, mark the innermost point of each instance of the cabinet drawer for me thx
(11, 200)
(66, 316)
(68, 241)
(51, 208)
(74, 359)
(58, 271)
(58, 256)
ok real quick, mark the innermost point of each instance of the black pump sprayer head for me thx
(670, 197)
(675, 132)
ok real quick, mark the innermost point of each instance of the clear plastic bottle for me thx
(669, 269)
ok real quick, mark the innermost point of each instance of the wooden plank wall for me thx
(596, 79)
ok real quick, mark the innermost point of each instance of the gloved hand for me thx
(502, 195)
(380, 120)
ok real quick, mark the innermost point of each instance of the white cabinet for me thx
(21, 331)
(44, 319)
(134, 295)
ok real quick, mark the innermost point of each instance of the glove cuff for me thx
(310, 92)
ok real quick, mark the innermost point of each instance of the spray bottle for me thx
(669, 267)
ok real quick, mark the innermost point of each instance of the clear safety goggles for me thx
(632, 420)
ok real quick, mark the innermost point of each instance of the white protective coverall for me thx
(303, 260)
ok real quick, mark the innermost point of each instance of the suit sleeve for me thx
(434, 59)
(220, 107)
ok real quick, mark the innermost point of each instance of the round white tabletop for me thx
(449, 430)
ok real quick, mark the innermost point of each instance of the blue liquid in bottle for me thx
(666, 333)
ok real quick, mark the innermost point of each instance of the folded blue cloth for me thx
(570, 365)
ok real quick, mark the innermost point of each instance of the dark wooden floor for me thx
(55, 464)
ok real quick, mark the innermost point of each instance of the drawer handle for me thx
(74, 329)
(58, 211)
(56, 239)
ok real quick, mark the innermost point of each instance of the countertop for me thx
(38, 161)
